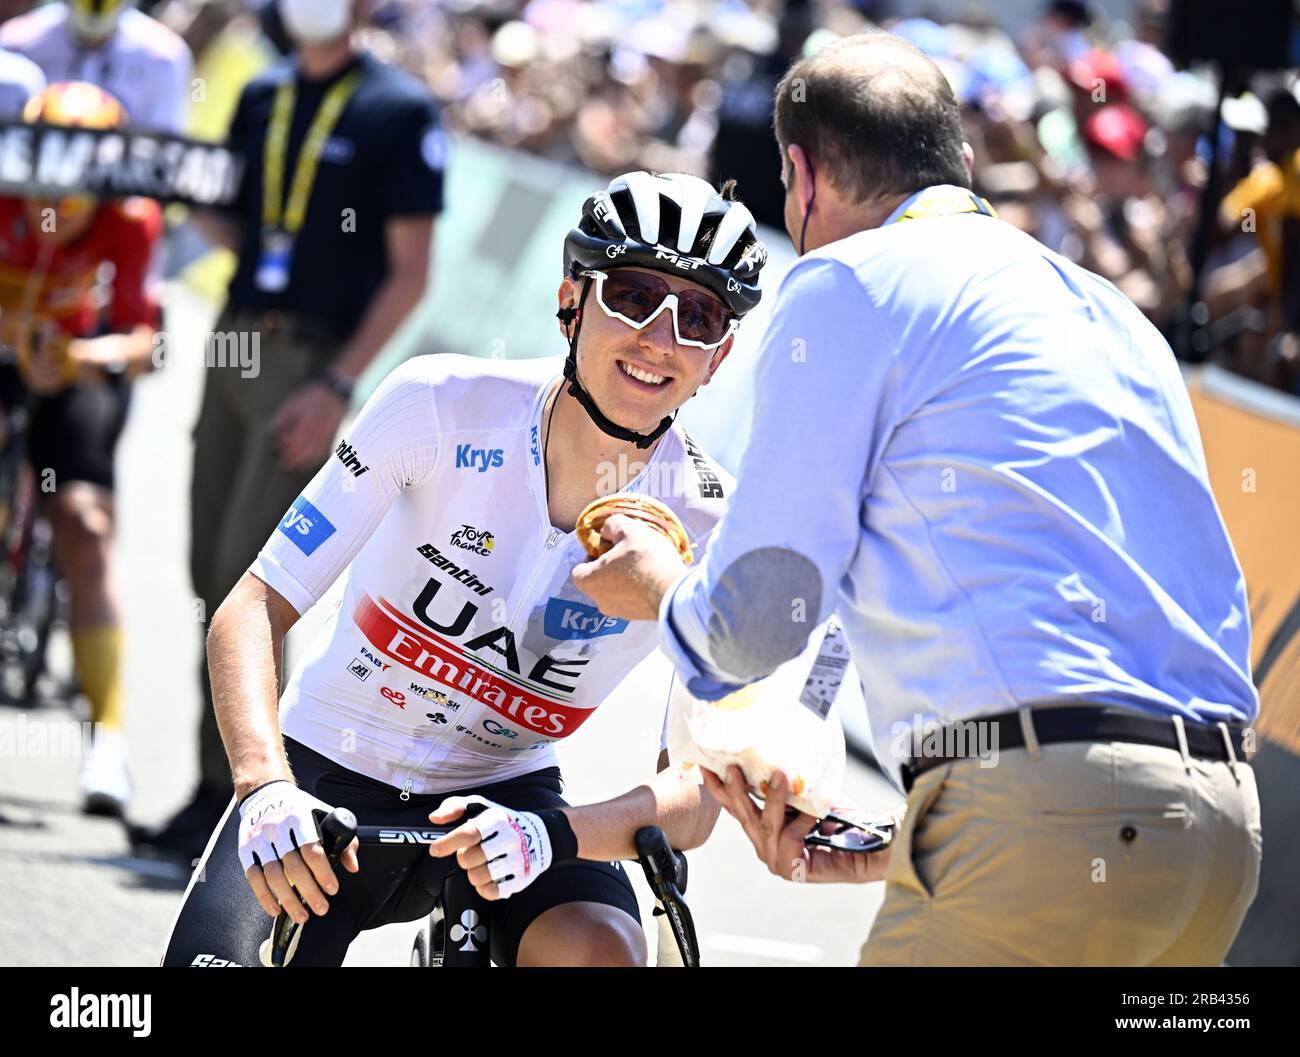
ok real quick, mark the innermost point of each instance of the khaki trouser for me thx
(1071, 854)
(239, 489)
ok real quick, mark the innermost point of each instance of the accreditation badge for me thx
(273, 264)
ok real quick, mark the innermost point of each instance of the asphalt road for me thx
(74, 895)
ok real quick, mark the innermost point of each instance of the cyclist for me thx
(133, 57)
(461, 652)
(76, 360)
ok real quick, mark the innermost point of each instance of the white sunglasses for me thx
(705, 314)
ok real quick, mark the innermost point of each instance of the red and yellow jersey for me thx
(45, 287)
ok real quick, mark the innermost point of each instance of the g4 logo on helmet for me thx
(615, 251)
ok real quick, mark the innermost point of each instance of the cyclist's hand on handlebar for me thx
(779, 840)
(280, 851)
(501, 850)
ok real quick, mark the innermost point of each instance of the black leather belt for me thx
(1053, 725)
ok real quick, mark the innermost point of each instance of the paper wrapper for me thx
(784, 722)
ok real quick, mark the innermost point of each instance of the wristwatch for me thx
(336, 383)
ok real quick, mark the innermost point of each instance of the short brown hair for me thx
(875, 115)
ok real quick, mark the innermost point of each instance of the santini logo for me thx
(481, 459)
(347, 455)
(76, 1010)
(456, 572)
(306, 526)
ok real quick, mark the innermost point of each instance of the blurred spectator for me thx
(1259, 203)
(134, 58)
(1265, 204)
(1084, 131)
(745, 148)
(20, 79)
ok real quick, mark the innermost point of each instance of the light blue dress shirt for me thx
(984, 458)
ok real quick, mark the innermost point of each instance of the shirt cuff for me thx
(275, 576)
(700, 679)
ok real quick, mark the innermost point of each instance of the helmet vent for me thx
(622, 200)
(670, 221)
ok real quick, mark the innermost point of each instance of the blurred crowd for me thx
(1085, 133)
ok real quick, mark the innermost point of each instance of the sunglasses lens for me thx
(701, 317)
(634, 294)
(638, 295)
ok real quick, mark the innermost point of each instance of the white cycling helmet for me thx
(669, 223)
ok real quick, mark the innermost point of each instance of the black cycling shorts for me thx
(74, 432)
(220, 921)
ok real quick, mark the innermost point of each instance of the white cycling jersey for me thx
(143, 64)
(461, 650)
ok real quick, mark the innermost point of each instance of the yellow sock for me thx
(97, 662)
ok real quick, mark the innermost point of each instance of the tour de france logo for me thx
(479, 541)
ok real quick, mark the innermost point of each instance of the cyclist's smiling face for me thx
(636, 376)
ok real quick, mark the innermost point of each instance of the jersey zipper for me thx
(554, 536)
(551, 540)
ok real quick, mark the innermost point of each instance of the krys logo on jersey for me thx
(306, 526)
(427, 644)
(481, 459)
(575, 620)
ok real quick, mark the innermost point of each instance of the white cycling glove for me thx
(520, 845)
(275, 820)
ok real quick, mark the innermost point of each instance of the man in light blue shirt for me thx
(984, 459)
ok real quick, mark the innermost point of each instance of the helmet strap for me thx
(572, 323)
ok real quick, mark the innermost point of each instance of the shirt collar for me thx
(945, 198)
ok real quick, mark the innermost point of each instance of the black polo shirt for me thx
(383, 159)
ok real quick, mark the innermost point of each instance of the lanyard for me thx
(304, 176)
(945, 200)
